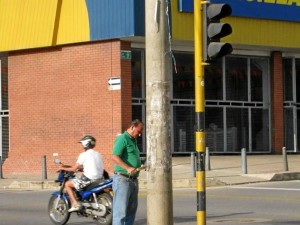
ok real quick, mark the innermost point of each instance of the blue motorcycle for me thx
(96, 201)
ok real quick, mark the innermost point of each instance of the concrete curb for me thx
(31, 185)
(277, 176)
(177, 183)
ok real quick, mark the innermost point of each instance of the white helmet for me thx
(88, 141)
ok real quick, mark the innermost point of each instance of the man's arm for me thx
(72, 168)
(117, 159)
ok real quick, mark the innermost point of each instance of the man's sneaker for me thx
(74, 208)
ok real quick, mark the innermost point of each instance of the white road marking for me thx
(267, 188)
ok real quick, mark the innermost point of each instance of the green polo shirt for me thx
(126, 148)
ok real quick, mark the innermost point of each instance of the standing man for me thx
(126, 157)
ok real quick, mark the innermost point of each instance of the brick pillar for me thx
(126, 89)
(277, 102)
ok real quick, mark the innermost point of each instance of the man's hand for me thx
(65, 166)
(131, 170)
(60, 170)
(72, 168)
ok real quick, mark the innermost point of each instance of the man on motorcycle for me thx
(91, 162)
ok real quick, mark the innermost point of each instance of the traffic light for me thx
(214, 30)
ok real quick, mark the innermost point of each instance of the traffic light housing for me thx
(214, 30)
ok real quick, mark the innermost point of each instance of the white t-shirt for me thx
(92, 162)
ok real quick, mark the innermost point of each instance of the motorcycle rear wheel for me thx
(106, 200)
(59, 215)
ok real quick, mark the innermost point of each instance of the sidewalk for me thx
(225, 170)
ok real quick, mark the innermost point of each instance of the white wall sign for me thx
(114, 83)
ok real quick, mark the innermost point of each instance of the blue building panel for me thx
(139, 17)
(115, 18)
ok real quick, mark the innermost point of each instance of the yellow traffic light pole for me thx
(199, 112)
(206, 51)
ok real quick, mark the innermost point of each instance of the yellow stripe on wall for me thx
(26, 23)
(74, 22)
(182, 23)
(246, 31)
(272, 33)
(38, 23)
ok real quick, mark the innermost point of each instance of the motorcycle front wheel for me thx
(107, 201)
(58, 215)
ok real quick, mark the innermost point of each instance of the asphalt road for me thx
(262, 203)
(270, 203)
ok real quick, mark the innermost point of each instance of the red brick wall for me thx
(277, 102)
(58, 95)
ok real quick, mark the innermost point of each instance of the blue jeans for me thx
(125, 201)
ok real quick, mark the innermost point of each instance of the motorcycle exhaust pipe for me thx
(101, 211)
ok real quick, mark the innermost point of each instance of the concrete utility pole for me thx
(158, 115)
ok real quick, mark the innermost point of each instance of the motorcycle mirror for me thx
(57, 161)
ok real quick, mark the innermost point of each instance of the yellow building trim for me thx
(182, 23)
(26, 23)
(261, 32)
(246, 31)
(38, 23)
(74, 22)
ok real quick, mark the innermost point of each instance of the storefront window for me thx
(137, 114)
(214, 125)
(256, 72)
(183, 76)
(298, 130)
(214, 81)
(288, 128)
(237, 120)
(260, 129)
(291, 73)
(297, 67)
(137, 71)
(236, 103)
(184, 136)
(288, 79)
(298, 80)
(4, 119)
(138, 89)
(236, 79)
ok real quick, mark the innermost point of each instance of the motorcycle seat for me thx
(94, 184)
